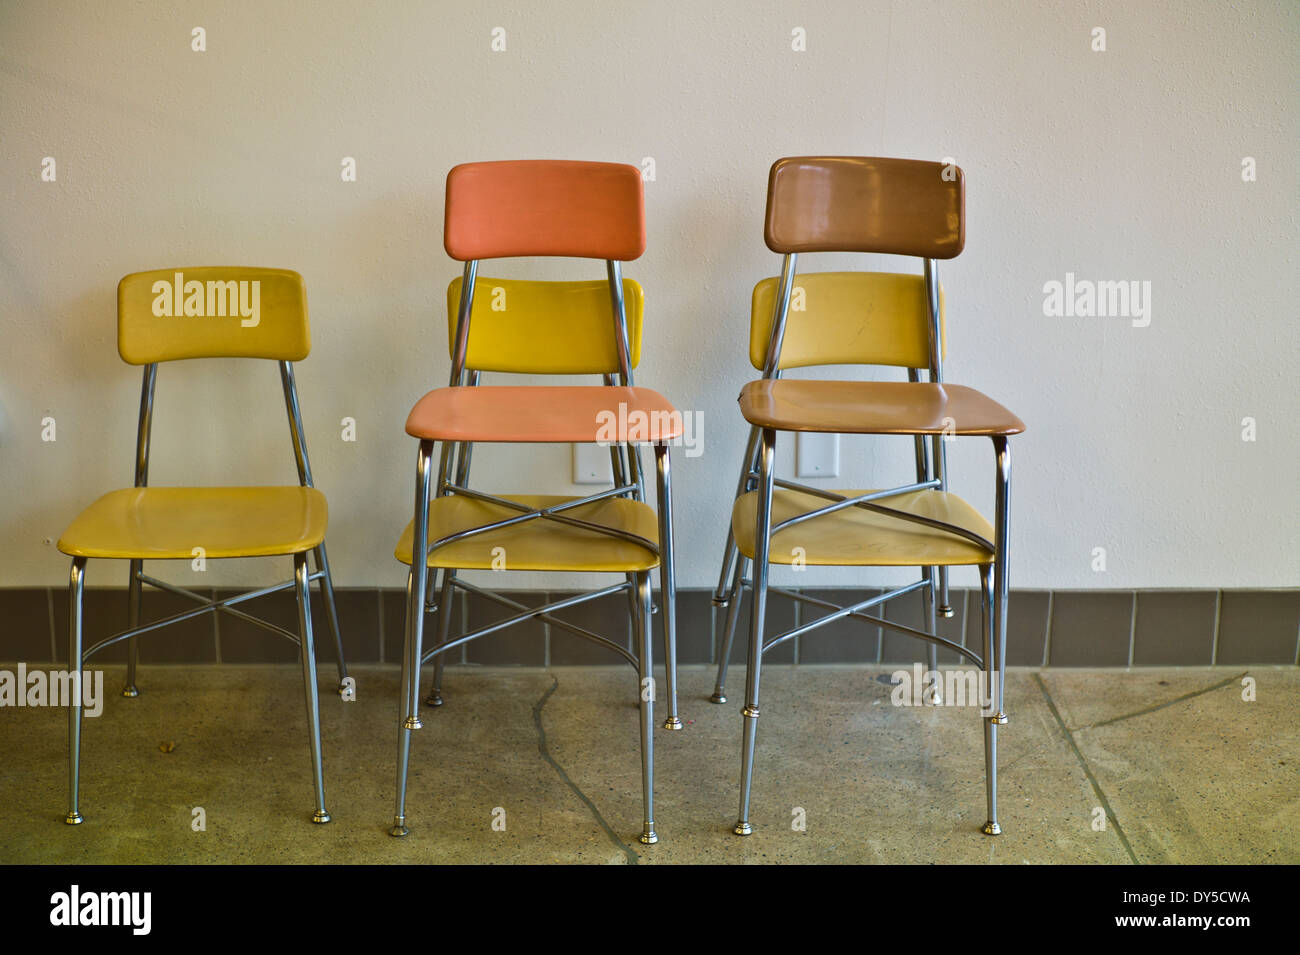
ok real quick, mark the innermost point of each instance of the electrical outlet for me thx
(591, 465)
(817, 455)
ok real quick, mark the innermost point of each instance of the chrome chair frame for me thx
(758, 473)
(303, 576)
(628, 480)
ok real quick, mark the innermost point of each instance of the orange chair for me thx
(210, 312)
(541, 208)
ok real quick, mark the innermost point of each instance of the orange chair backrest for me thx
(544, 207)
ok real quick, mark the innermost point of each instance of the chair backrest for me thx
(847, 318)
(865, 204)
(212, 312)
(545, 328)
(544, 207)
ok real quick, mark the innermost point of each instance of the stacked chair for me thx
(893, 206)
(522, 209)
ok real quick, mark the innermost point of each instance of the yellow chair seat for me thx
(539, 544)
(858, 537)
(166, 523)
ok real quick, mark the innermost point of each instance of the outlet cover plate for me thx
(591, 465)
(817, 455)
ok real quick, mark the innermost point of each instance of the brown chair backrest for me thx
(865, 204)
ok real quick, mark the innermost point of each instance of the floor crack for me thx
(1087, 770)
(1161, 706)
(627, 850)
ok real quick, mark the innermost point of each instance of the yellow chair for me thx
(541, 208)
(852, 204)
(209, 312)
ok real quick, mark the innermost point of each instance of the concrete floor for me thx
(1184, 769)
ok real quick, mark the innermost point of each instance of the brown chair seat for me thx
(874, 407)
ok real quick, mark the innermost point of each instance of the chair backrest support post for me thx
(462, 321)
(780, 310)
(295, 423)
(936, 361)
(145, 427)
(614, 272)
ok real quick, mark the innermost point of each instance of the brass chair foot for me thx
(649, 837)
(433, 699)
(674, 723)
(130, 692)
(945, 611)
(398, 831)
(320, 817)
(412, 723)
(991, 829)
(74, 818)
(743, 828)
(999, 718)
(718, 697)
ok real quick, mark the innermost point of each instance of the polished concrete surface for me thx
(1138, 766)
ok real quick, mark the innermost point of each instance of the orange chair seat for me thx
(874, 407)
(167, 523)
(545, 414)
(539, 544)
(857, 537)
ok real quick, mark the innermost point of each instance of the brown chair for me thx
(852, 204)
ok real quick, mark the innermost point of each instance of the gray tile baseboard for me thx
(1064, 628)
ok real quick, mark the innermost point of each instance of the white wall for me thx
(1124, 164)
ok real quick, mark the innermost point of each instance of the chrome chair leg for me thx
(722, 596)
(403, 734)
(995, 643)
(1002, 566)
(990, 719)
(431, 607)
(76, 587)
(644, 632)
(928, 600)
(445, 593)
(729, 631)
(302, 578)
(129, 689)
(668, 582)
(944, 599)
(331, 611)
(417, 582)
(730, 552)
(762, 544)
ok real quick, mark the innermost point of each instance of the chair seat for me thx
(539, 544)
(545, 414)
(858, 537)
(874, 407)
(166, 523)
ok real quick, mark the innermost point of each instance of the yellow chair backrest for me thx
(847, 318)
(545, 328)
(212, 312)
